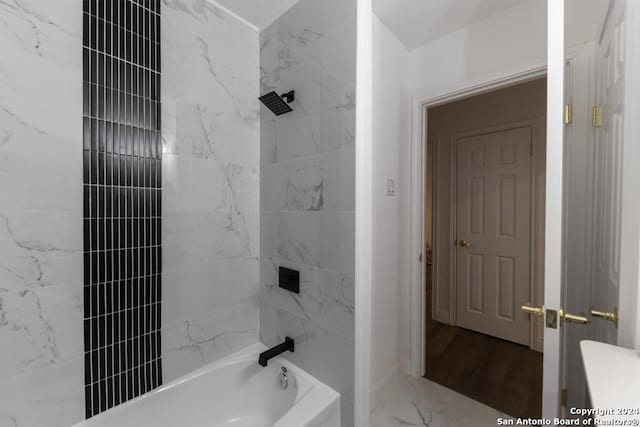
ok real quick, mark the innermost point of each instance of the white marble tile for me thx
(340, 180)
(294, 186)
(41, 316)
(51, 397)
(39, 248)
(43, 326)
(207, 133)
(190, 344)
(37, 40)
(326, 297)
(321, 17)
(297, 136)
(340, 68)
(194, 184)
(39, 171)
(337, 119)
(320, 239)
(419, 402)
(268, 148)
(211, 184)
(201, 46)
(190, 289)
(209, 236)
(319, 183)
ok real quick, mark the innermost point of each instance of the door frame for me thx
(418, 341)
(536, 238)
(629, 297)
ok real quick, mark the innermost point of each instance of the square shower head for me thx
(276, 103)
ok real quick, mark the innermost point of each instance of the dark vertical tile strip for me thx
(122, 178)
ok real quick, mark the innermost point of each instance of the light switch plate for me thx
(391, 186)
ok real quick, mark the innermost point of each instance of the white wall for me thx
(507, 42)
(391, 112)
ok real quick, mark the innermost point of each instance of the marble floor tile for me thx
(420, 402)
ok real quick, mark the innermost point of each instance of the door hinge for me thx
(596, 116)
(531, 149)
(568, 114)
(420, 258)
(564, 397)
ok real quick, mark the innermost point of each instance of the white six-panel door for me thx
(493, 222)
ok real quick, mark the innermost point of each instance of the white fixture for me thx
(234, 390)
(613, 378)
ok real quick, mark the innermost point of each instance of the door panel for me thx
(593, 193)
(607, 200)
(493, 214)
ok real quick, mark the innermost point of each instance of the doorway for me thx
(484, 235)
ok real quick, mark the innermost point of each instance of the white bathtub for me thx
(233, 392)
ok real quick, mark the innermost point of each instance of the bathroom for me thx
(208, 211)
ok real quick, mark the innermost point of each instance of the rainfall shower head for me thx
(278, 104)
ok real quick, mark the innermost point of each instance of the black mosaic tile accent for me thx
(122, 172)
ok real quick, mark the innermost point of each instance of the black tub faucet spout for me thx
(287, 345)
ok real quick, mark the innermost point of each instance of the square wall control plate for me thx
(289, 279)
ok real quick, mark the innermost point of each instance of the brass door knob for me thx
(465, 244)
(529, 309)
(580, 319)
(611, 316)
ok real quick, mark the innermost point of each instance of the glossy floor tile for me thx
(420, 402)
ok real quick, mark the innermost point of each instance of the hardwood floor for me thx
(498, 373)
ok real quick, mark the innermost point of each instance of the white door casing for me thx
(415, 227)
(493, 216)
(553, 205)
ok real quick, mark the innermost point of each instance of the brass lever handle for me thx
(574, 318)
(529, 309)
(606, 315)
(465, 244)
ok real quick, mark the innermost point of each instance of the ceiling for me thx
(259, 13)
(417, 22)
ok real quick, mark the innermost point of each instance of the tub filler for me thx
(232, 392)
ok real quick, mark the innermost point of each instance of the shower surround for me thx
(232, 176)
(210, 225)
(308, 189)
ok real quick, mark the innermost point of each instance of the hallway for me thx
(498, 373)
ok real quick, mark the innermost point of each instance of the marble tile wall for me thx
(41, 340)
(308, 189)
(211, 185)
(211, 206)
